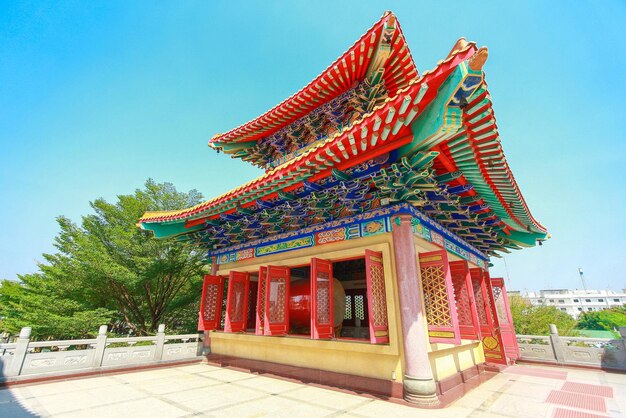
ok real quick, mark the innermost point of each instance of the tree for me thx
(607, 319)
(107, 267)
(535, 320)
(37, 303)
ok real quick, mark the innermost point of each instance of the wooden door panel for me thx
(210, 314)
(376, 297)
(503, 311)
(237, 302)
(260, 301)
(277, 301)
(322, 312)
(443, 324)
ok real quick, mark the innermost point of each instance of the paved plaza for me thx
(204, 390)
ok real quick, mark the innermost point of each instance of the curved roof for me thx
(445, 117)
(333, 152)
(339, 77)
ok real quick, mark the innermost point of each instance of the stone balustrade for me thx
(33, 359)
(597, 352)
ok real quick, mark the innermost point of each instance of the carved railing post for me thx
(101, 345)
(160, 343)
(19, 355)
(557, 345)
(200, 351)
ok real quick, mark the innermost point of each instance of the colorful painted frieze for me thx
(280, 247)
(371, 223)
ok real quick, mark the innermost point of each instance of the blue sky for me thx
(96, 97)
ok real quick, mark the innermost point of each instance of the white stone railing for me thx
(25, 358)
(598, 352)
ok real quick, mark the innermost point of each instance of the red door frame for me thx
(260, 301)
(442, 334)
(507, 328)
(209, 317)
(252, 300)
(489, 330)
(322, 312)
(273, 326)
(462, 280)
(377, 308)
(236, 321)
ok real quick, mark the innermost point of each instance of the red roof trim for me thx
(340, 146)
(335, 80)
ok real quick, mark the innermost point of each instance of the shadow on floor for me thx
(10, 406)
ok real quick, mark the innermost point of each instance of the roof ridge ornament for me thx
(460, 45)
(477, 61)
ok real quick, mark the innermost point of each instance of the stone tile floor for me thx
(203, 390)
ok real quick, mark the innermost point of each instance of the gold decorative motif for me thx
(430, 258)
(490, 343)
(441, 334)
(493, 355)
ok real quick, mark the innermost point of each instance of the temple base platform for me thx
(449, 389)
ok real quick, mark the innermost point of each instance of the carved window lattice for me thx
(379, 302)
(211, 302)
(480, 302)
(500, 306)
(359, 307)
(461, 297)
(348, 307)
(323, 298)
(251, 309)
(260, 306)
(277, 300)
(436, 296)
(236, 308)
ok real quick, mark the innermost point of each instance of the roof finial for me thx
(477, 61)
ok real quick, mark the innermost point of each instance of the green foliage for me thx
(606, 320)
(536, 320)
(40, 304)
(107, 270)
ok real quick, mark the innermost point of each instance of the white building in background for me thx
(574, 302)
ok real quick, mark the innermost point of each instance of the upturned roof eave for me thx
(268, 123)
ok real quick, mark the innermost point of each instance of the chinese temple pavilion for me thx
(360, 258)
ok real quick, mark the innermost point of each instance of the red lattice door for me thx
(252, 300)
(489, 333)
(237, 302)
(277, 301)
(503, 310)
(322, 312)
(376, 297)
(441, 315)
(260, 302)
(464, 299)
(210, 313)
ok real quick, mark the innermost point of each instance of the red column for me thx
(207, 336)
(419, 384)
